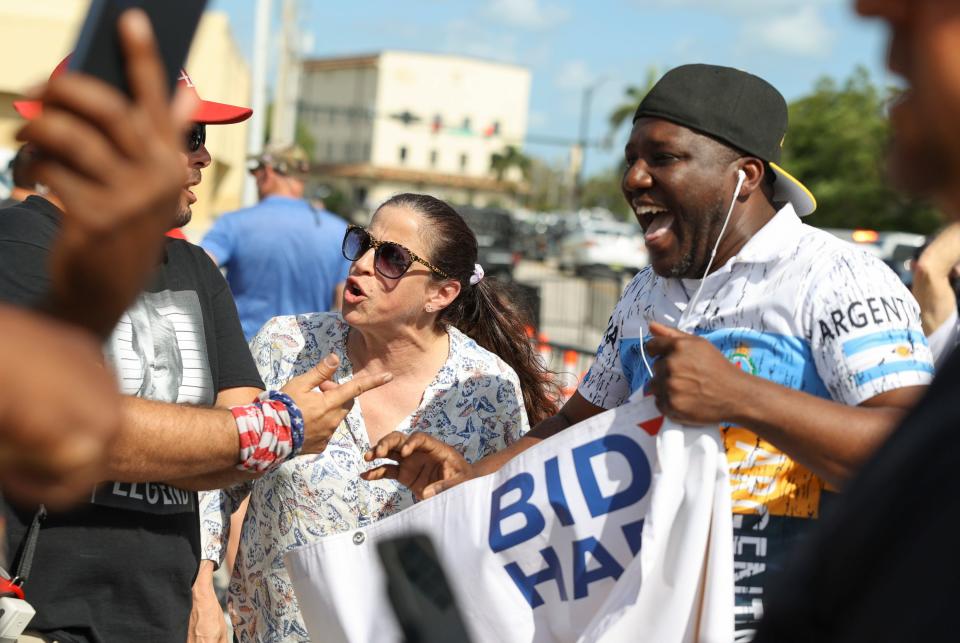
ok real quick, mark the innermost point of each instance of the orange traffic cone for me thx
(568, 376)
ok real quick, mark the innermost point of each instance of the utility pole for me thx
(287, 90)
(258, 90)
(578, 155)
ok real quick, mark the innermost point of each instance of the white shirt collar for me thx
(775, 239)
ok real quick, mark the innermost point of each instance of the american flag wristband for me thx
(296, 418)
(265, 433)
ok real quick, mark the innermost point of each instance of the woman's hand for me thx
(425, 465)
(207, 624)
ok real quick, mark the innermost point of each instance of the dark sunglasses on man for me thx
(390, 259)
(196, 137)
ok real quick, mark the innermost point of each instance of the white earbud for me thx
(741, 177)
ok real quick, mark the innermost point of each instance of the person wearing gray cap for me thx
(805, 350)
(282, 255)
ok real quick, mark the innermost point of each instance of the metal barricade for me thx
(574, 311)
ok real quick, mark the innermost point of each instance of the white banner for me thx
(617, 529)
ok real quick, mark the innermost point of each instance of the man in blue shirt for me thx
(282, 255)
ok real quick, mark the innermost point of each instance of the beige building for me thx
(37, 35)
(400, 121)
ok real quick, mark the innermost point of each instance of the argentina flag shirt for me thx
(801, 308)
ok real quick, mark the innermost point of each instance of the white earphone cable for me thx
(741, 177)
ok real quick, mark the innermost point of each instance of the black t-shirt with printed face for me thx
(120, 568)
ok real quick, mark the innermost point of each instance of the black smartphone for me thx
(98, 51)
(419, 592)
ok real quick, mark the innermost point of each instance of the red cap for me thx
(207, 112)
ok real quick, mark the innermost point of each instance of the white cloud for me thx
(802, 32)
(470, 38)
(526, 14)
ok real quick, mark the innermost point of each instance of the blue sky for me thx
(570, 44)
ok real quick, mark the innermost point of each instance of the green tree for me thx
(603, 189)
(632, 95)
(510, 157)
(836, 144)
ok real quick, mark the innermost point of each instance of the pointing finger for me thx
(356, 387)
(660, 346)
(387, 444)
(315, 376)
(420, 441)
(660, 330)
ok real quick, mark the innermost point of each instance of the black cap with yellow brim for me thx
(787, 189)
(737, 108)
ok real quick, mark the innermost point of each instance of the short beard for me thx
(183, 218)
(703, 237)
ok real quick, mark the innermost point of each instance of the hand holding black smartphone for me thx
(98, 50)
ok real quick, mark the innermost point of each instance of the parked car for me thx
(603, 246)
(891, 241)
(538, 234)
(496, 239)
(868, 240)
(881, 244)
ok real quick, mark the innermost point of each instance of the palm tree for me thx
(510, 157)
(633, 94)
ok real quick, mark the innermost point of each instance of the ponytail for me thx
(487, 313)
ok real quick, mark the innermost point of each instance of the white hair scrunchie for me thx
(477, 274)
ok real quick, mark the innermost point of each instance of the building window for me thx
(329, 151)
(366, 152)
(466, 124)
(403, 155)
(348, 152)
(433, 158)
(463, 162)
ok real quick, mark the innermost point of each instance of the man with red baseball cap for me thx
(207, 111)
(180, 342)
(120, 567)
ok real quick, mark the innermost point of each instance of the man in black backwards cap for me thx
(805, 349)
